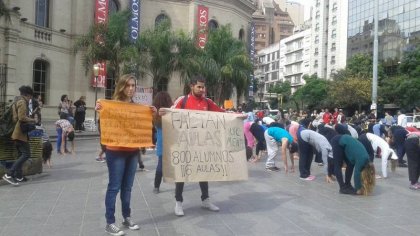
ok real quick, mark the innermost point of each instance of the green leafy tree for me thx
(226, 64)
(284, 90)
(352, 91)
(410, 63)
(163, 52)
(359, 66)
(314, 93)
(108, 42)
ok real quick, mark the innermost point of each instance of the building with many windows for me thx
(36, 46)
(398, 29)
(295, 58)
(271, 24)
(329, 35)
(267, 72)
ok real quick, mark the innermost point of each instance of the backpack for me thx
(7, 123)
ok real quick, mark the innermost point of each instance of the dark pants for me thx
(158, 174)
(80, 119)
(179, 188)
(260, 147)
(368, 146)
(121, 171)
(24, 153)
(339, 158)
(306, 155)
(399, 140)
(413, 159)
(318, 157)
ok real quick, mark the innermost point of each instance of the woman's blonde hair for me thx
(120, 86)
(368, 179)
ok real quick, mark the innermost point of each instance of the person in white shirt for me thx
(401, 121)
(386, 152)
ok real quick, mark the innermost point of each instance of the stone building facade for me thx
(36, 46)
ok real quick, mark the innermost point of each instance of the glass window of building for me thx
(42, 13)
(39, 78)
(334, 33)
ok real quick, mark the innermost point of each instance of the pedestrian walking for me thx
(20, 114)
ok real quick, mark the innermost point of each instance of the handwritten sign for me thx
(125, 124)
(143, 96)
(203, 146)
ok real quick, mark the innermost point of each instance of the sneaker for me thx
(402, 165)
(23, 179)
(98, 159)
(208, 205)
(309, 178)
(156, 190)
(272, 168)
(178, 209)
(415, 186)
(10, 180)
(348, 190)
(320, 164)
(130, 224)
(112, 229)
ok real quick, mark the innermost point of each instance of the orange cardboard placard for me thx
(125, 124)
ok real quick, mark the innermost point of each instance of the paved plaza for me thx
(69, 200)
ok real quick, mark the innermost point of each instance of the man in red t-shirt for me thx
(196, 100)
(327, 117)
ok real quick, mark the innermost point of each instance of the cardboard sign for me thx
(203, 146)
(143, 96)
(125, 124)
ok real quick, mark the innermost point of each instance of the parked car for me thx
(413, 121)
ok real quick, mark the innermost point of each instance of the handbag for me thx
(27, 127)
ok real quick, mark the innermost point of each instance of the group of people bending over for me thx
(336, 147)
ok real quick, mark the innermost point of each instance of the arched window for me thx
(113, 7)
(160, 18)
(213, 25)
(241, 34)
(40, 78)
(42, 13)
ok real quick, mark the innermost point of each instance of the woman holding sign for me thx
(122, 164)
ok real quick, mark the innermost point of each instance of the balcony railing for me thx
(43, 34)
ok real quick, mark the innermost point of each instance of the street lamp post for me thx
(96, 73)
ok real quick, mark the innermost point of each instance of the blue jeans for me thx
(59, 134)
(122, 170)
(24, 153)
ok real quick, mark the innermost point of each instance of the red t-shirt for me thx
(198, 103)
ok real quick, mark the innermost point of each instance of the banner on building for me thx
(143, 96)
(101, 17)
(202, 25)
(252, 43)
(134, 22)
(125, 124)
(203, 146)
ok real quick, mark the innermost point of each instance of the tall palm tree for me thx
(226, 64)
(163, 52)
(108, 42)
